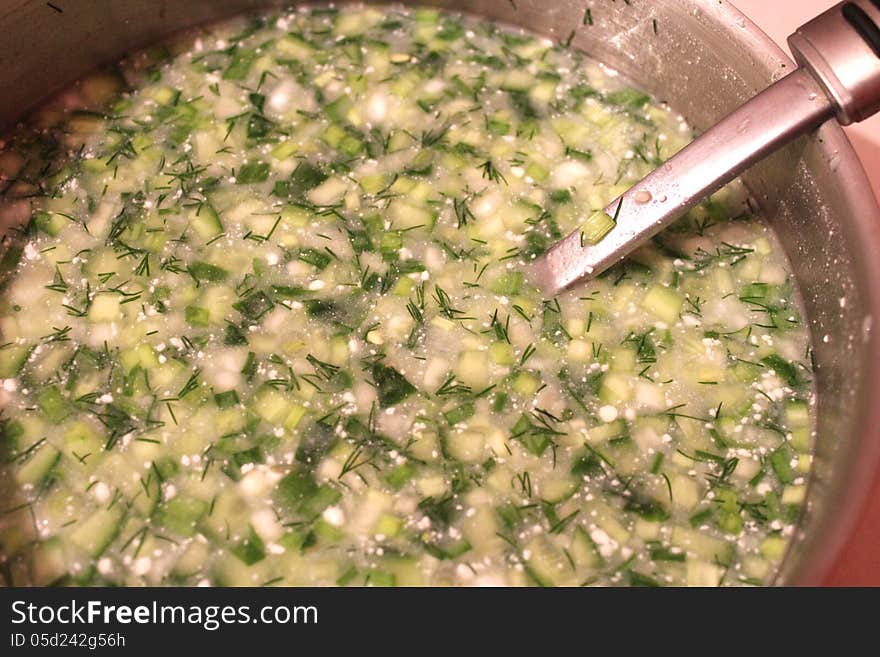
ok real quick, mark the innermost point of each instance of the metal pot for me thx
(705, 59)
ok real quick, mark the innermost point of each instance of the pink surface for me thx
(859, 563)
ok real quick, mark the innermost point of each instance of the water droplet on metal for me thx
(643, 197)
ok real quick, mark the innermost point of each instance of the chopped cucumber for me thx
(95, 534)
(270, 322)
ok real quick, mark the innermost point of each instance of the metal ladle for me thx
(838, 54)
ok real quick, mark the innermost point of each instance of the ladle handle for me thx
(841, 49)
(839, 75)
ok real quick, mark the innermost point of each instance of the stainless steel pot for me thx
(705, 59)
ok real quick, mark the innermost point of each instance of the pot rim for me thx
(853, 482)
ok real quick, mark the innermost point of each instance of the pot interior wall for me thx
(704, 59)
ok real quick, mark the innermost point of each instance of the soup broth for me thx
(268, 324)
